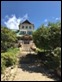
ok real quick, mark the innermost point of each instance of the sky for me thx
(37, 12)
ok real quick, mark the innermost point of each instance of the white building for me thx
(25, 32)
(25, 28)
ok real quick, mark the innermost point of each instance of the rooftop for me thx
(26, 22)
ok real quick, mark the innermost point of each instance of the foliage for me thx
(57, 55)
(54, 35)
(39, 37)
(54, 61)
(8, 38)
(57, 52)
(16, 31)
(2, 65)
(8, 58)
(48, 37)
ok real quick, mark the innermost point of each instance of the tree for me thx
(48, 37)
(40, 37)
(54, 35)
(8, 38)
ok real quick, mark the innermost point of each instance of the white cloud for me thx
(45, 20)
(13, 22)
(26, 16)
(58, 18)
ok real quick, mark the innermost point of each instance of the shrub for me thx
(2, 65)
(57, 55)
(57, 52)
(8, 58)
(48, 38)
(8, 38)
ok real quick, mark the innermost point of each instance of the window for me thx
(22, 33)
(26, 27)
(19, 33)
(29, 32)
(22, 27)
(29, 27)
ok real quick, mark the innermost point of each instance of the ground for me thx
(27, 76)
(26, 70)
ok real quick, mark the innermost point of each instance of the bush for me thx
(8, 58)
(57, 55)
(57, 52)
(48, 38)
(53, 61)
(8, 38)
(2, 65)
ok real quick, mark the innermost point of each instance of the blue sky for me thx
(37, 12)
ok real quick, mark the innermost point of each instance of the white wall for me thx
(32, 26)
(26, 29)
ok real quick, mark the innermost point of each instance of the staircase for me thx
(26, 47)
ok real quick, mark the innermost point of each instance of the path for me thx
(26, 76)
(27, 71)
(23, 75)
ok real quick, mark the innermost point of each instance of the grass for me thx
(13, 50)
